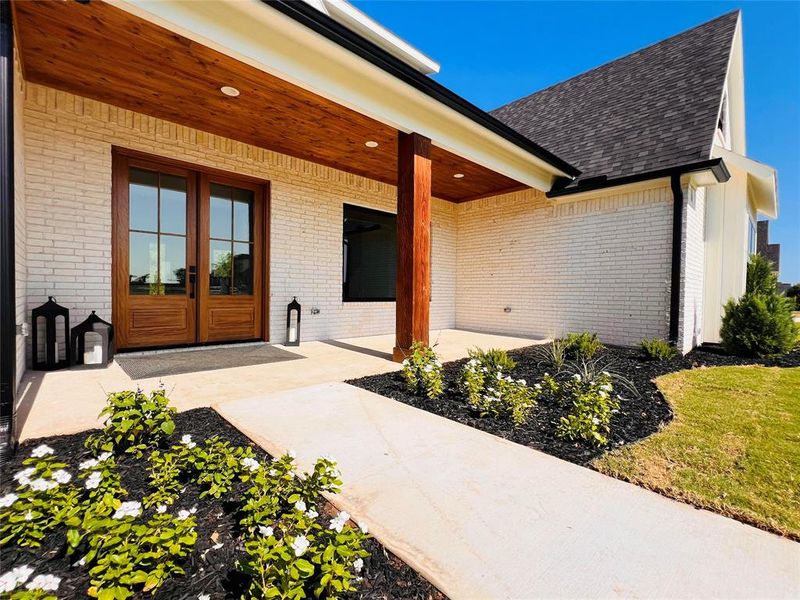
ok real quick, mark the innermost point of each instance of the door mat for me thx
(161, 364)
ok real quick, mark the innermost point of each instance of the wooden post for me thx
(413, 241)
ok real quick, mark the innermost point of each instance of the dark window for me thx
(369, 254)
(231, 241)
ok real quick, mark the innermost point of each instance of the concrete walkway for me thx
(481, 517)
(62, 402)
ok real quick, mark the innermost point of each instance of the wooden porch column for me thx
(413, 241)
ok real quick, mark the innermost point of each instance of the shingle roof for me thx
(654, 109)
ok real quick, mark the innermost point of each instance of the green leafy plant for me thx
(422, 371)
(591, 404)
(553, 355)
(658, 349)
(758, 325)
(491, 391)
(133, 422)
(582, 345)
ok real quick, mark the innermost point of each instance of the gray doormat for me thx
(160, 364)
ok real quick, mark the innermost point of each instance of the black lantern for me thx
(92, 343)
(47, 357)
(293, 323)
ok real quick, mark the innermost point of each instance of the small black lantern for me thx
(47, 357)
(293, 323)
(92, 343)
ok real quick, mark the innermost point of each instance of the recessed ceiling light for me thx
(229, 91)
(459, 176)
(371, 144)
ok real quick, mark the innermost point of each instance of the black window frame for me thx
(382, 213)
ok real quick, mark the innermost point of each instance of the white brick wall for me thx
(600, 264)
(690, 323)
(68, 142)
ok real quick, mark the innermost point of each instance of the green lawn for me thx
(734, 446)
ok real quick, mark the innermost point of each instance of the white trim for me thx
(261, 36)
(762, 180)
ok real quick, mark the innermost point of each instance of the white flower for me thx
(537, 386)
(204, 597)
(576, 377)
(300, 505)
(217, 546)
(80, 563)
(24, 476)
(186, 440)
(61, 476)
(595, 420)
(93, 481)
(312, 514)
(8, 500)
(405, 362)
(128, 509)
(273, 473)
(606, 386)
(522, 382)
(358, 564)
(265, 531)
(29, 516)
(42, 485)
(184, 514)
(300, 545)
(88, 464)
(251, 464)
(428, 368)
(338, 522)
(292, 453)
(41, 451)
(104, 456)
(363, 527)
(48, 583)
(10, 580)
(161, 509)
(329, 457)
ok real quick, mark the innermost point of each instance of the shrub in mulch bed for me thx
(210, 566)
(639, 415)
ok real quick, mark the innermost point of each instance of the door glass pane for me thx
(242, 269)
(173, 264)
(242, 215)
(173, 204)
(220, 267)
(221, 210)
(143, 200)
(143, 264)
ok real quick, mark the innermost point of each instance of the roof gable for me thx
(653, 109)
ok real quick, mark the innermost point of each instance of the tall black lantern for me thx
(92, 343)
(293, 323)
(50, 311)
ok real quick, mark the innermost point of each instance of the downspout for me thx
(677, 250)
(8, 350)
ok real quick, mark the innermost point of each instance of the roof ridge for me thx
(726, 15)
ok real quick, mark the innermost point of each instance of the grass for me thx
(733, 447)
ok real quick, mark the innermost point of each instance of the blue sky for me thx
(494, 52)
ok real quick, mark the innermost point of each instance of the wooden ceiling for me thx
(102, 52)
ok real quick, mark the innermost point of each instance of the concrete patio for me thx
(482, 517)
(68, 401)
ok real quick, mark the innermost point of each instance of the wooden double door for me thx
(190, 254)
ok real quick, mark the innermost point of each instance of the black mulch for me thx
(640, 415)
(208, 571)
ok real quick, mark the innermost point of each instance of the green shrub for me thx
(133, 422)
(422, 371)
(761, 277)
(491, 391)
(758, 325)
(794, 293)
(591, 405)
(657, 349)
(553, 355)
(582, 345)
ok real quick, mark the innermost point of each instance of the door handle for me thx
(192, 280)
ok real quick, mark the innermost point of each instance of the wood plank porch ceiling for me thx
(104, 53)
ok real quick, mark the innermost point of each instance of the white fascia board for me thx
(349, 16)
(762, 180)
(257, 34)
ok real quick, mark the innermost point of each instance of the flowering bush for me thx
(422, 371)
(133, 422)
(491, 391)
(592, 405)
(15, 585)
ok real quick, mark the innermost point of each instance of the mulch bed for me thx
(640, 414)
(209, 571)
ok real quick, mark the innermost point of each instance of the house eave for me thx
(762, 180)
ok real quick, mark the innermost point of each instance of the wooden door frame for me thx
(119, 182)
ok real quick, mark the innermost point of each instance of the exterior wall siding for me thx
(600, 264)
(690, 323)
(68, 141)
